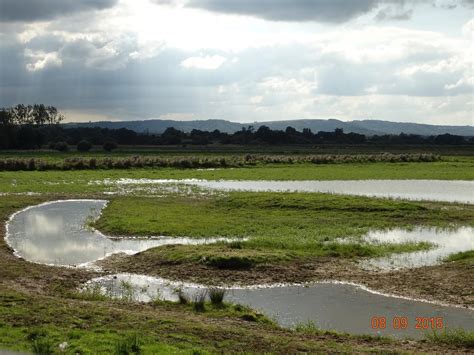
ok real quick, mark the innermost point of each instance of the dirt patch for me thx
(449, 283)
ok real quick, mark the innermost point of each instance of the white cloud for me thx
(209, 62)
(40, 60)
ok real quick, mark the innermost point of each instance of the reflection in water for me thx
(341, 307)
(55, 233)
(447, 242)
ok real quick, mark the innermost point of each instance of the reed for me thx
(194, 162)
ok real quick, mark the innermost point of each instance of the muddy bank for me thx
(449, 283)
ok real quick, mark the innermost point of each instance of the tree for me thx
(61, 146)
(84, 146)
(109, 146)
(37, 114)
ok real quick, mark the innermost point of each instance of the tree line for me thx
(39, 126)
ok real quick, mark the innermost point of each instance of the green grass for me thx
(455, 337)
(306, 224)
(466, 257)
(220, 256)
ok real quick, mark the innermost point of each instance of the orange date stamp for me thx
(400, 322)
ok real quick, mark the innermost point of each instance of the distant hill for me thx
(366, 127)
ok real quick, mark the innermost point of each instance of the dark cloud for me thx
(329, 11)
(290, 10)
(36, 10)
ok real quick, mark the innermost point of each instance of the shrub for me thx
(109, 146)
(84, 146)
(61, 146)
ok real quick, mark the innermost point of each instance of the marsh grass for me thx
(216, 295)
(199, 301)
(127, 291)
(42, 346)
(182, 297)
(91, 292)
(194, 162)
(130, 345)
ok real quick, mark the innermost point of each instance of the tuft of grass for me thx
(42, 346)
(129, 345)
(216, 296)
(454, 337)
(308, 327)
(92, 292)
(235, 244)
(199, 301)
(182, 297)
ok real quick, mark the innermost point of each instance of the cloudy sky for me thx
(241, 60)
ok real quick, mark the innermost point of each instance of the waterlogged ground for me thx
(39, 301)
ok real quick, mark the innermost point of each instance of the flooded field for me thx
(332, 306)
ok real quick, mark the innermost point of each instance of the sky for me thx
(241, 60)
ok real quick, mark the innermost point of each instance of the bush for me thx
(109, 146)
(61, 146)
(84, 146)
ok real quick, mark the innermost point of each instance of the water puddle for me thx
(448, 241)
(333, 306)
(55, 233)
